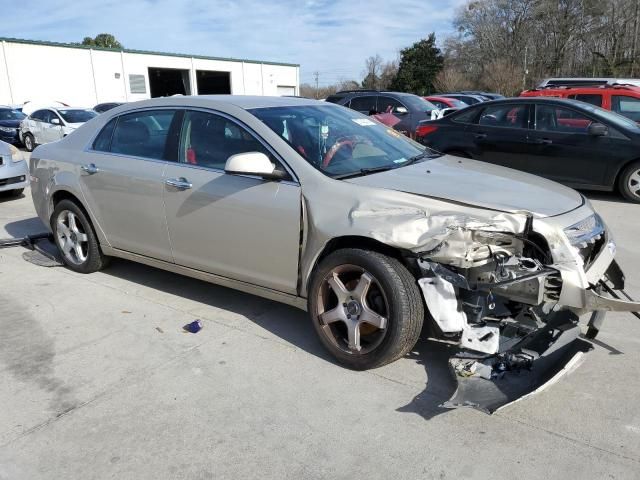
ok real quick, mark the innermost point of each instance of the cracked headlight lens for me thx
(585, 231)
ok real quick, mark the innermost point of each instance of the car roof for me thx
(245, 102)
(585, 89)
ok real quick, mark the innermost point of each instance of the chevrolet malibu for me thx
(320, 207)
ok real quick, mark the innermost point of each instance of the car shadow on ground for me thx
(292, 326)
(613, 197)
(288, 323)
(9, 196)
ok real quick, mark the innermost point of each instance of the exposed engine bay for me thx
(500, 302)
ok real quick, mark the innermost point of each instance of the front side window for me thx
(77, 115)
(366, 105)
(551, 118)
(143, 134)
(208, 140)
(389, 105)
(626, 106)
(589, 98)
(506, 116)
(340, 142)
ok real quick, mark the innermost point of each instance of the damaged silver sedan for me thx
(317, 206)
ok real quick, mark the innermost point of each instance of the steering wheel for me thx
(350, 142)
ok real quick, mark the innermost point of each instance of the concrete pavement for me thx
(98, 381)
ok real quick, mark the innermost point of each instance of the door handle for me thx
(480, 136)
(90, 169)
(179, 183)
(542, 141)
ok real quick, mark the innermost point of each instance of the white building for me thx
(85, 76)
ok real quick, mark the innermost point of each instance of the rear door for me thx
(34, 124)
(236, 226)
(500, 135)
(563, 150)
(122, 180)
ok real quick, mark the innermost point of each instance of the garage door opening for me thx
(213, 83)
(165, 82)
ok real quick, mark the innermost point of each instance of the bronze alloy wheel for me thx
(353, 309)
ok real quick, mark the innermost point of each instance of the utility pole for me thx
(526, 71)
(316, 74)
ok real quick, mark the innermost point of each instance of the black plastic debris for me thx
(193, 327)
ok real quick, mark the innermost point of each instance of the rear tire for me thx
(629, 182)
(76, 239)
(378, 304)
(29, 142)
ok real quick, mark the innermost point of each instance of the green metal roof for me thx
(143, 52)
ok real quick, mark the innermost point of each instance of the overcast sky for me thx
(330, 36)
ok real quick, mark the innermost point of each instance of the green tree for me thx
(105, 40)
(419, 65)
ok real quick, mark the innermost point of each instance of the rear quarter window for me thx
(102, 143)
(468, 116)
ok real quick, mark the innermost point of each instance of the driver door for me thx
(236, 226)
(50, 132)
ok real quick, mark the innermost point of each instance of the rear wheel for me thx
(366, 308)
(76, 239)
(29, 142)
(629, 182)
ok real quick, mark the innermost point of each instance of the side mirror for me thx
(401, 110)
(597, 129)
(55, 121)
(253, 163)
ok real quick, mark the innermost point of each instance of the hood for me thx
(479, 184)
(10, 123)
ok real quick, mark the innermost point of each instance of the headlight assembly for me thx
(16, 155)
(8, 129)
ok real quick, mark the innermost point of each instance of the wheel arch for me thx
(66, 194)
(618, 173)
(353, 241)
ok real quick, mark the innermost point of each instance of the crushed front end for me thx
(512, 301)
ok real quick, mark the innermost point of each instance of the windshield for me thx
(8, 114)
(339, 141)
(458, 103)
(77, 116)
(616, 119)
(418, 103)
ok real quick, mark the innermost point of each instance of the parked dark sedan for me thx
(104, 107)
(565, 140)
(10, 124)
(408, 109)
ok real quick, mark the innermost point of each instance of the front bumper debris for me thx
(488, 383)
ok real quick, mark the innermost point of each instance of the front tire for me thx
(29, 142)
(76, 239)
(366, 308)
(629, 182)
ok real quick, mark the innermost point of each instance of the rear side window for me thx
(506, 116)
(366, 105)
(143, 134)
(593, 99)
(102, 143)
(626, 106)
(468, 116)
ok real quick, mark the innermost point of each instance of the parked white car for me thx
(51, 124)
(14, 170)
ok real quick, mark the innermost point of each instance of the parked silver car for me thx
(51, 124)
(14, 170)
(320, 207)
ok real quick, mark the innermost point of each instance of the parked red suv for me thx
(622, 99)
